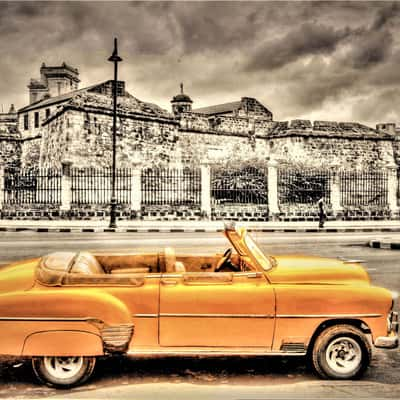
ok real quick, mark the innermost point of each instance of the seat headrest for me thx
(169, 259)
(86, 263)
(180, 267)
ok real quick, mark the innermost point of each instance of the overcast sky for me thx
(311, 60)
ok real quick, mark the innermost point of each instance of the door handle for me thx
(169, 282)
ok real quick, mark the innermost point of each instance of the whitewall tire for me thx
(63, 372)
(341, 352)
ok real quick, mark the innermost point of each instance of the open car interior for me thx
(163, 262)
(84, 267)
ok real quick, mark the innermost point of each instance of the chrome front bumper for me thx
(391, 341)
(387, 342)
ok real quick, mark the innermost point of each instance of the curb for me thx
(377, 244)
(372, 243)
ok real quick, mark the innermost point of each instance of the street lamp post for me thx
(115, 58)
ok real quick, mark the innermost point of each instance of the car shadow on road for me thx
(232, 370)
(18, 380)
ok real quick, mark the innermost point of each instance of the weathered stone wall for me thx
(10, 151)
(322, 152)
(313, 152)
(8, 124)
(85, 139)
(396, 150)
(210, 148)
(224, 124)
(30, 152)
(57, 137)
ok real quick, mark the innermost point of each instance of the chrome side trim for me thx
(328, 315)
(68, 319)
(171, 275)
(217, 315)
(145, 315)
(271, 315)
(220, 353)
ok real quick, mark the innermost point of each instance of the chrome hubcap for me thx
(343, 355)
(63, 367)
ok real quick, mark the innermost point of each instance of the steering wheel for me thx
(223, 260)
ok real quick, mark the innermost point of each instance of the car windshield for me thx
(265, 262)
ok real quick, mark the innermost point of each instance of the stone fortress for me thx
(64, 125)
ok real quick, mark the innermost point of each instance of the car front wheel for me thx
(341, 352)
(63, 372)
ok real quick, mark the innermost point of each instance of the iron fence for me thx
(303, 187)
(39, 186)
(363, 188)
(247, 185)
(171, 186)
(93, 186)
(398, 186)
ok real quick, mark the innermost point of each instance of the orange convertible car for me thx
(65, 309)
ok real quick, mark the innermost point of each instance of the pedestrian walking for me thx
(321, 212)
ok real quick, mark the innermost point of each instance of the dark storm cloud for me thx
(308, 39)
(386, 15)
(370, 48)
(373, 45)
(381, 106)
(306, 58)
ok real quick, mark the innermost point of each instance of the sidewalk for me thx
(194, 226)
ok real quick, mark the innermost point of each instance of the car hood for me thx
(300, 269)
(18, 276)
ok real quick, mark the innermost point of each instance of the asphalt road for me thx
(227, 378)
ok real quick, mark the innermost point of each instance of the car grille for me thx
(117, 338)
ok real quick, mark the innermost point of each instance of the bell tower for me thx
(181, 103)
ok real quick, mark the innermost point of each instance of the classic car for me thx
(64, 310)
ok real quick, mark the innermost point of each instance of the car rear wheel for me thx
(341, 352)
(63, 372)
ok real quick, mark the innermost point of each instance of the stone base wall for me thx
(246, 212)
(302, 210)
(171, 213)
(366, 213)
(31, 211)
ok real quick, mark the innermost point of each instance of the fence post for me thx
(136, 191)
(392, 190)
(273, 205)
(66, 186)
(206, 190)
(335, 194)
(1, 186)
